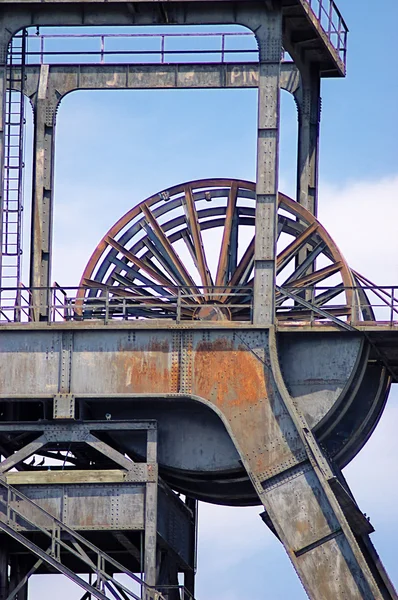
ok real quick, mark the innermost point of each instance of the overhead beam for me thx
(67, 78)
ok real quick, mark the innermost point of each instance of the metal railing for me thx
(182, 591)
(310, 305)
(107, 303)
(348, 307)
(332, 23)
(97, 48)
(19, 513)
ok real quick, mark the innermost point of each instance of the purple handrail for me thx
(332, 23)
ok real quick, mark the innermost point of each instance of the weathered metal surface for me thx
(26, 516)
(68, 476)
(130, 361)
(215, 365)
(318, 370)
(316, 40)
(37, 359)
(258, 421)
(90, 506)
(176, 525)
(232, 374)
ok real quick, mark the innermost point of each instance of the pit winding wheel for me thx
(200, 235)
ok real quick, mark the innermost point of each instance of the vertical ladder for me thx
(10, 267)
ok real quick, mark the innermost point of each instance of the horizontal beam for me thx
(82, 428)
(70, 476)
(67, 78)
(252, 15)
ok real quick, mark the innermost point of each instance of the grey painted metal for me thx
(89, 507)
(270, 51)
(64, 406)
(106, 373)
(10, 524)
(151, 501)
(96, 506)
(308, 101)
(318, 371)
(231, 373)
(66, 78)
(297, 468)
(42, 199)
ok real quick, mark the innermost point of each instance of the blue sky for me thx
(115, 148)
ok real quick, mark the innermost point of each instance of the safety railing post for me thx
(178, 315)
(106, 305)
(162, 49)
(353, 292)
(312, 315)
(102, 49)
(41, 49)
(330, 24)
(222, 48)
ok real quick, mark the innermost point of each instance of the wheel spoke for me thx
(306, 264)
(293, 249)
(243, 269)
(222, 269)
(312, 278)
(134, 273)
(201, 263)
(328, 295)
(168, 248)
(136, 270)
(154, 247)
(152, 272)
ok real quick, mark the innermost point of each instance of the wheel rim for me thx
(199, 237)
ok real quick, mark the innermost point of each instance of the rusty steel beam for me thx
(254, 408)
(221, 277)
(200, 257)
(317, 276)
(168, 248)
(160, 278)
(243, 264)
(291, 250)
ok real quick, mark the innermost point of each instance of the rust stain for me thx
(227, 375)
(146, 369)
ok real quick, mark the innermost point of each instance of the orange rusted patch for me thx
(227, 375)
(147, 369)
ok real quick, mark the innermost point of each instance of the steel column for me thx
(189, 576)
(308, 515)
(269, 39)
(4, 558)
(308, 101)
(19, 571)
(42, 198)
(150, 556)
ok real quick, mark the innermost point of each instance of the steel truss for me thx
(55, 544)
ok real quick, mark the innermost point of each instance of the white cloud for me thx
(373, 474)
(362, 219)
